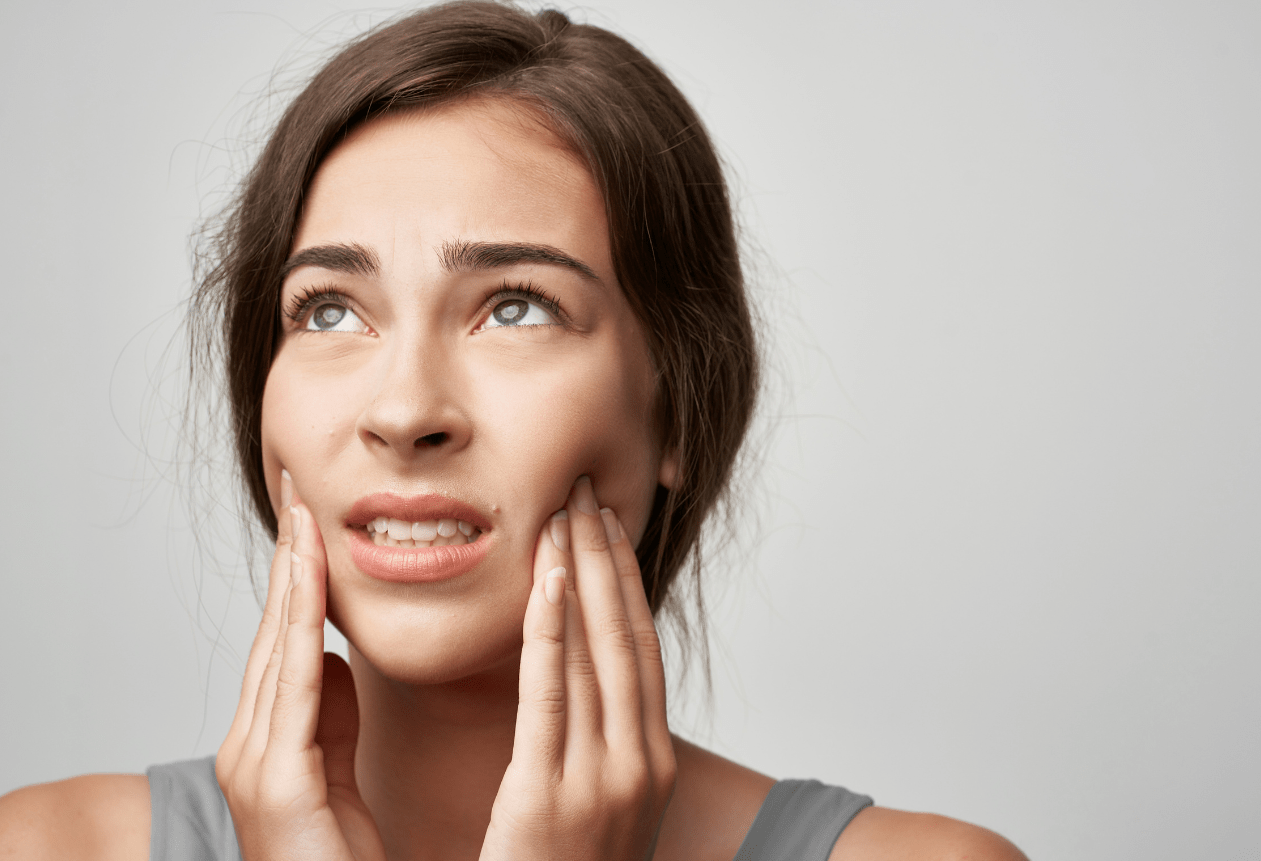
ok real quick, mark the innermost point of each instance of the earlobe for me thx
(669, 471)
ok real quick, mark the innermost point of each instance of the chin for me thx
(423, 667)
(434, 642)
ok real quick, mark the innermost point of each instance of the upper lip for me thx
(414, 509)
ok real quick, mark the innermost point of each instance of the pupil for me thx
(329, 316)
(510, 311)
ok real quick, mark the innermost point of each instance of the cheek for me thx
(585, 416)
(304, 422)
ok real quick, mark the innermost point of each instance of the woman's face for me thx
(456, 347)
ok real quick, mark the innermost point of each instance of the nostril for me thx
(431, 439)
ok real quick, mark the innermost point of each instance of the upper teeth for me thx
(387, 530)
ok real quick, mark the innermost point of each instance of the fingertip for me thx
(295, 570)
(612, 529)
(286, 488)
(554, 586)
(583, 495)
(558, 527)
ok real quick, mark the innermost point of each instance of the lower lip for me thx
(415, 565)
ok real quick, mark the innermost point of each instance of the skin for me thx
(478, 717)
(422, 393)
(525, 409)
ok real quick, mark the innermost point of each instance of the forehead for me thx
(479, 169)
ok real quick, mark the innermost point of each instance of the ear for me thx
(668, 474)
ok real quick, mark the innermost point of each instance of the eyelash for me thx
(308, 298)
(526, 290)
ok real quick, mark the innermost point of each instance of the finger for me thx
(582, 692)
(265, 638)
(604, 617)
(541, 714)
(299, 679)
(265, 696)
(652, 677)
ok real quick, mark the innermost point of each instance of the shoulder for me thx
(103, 817)
(715, 801)
(896, 835)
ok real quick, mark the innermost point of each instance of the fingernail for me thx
(559, 527)
(611, 527)
(286, 489)
(554, 586)
(584, 496)
(295, 570)
(295, 521)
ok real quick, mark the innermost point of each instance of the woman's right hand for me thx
(287, 766)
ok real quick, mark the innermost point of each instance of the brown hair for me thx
(671, 230)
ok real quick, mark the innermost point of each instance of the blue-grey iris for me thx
(328, 316)
(509, 313)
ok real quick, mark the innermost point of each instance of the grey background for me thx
(1002, 561)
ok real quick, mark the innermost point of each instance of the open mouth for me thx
(389, 532)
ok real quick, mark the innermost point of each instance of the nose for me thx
(414, 409)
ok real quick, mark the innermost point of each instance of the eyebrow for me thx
(464, 256)
(353, 259)
(458, 256)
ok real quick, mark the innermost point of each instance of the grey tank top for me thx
(800, 820)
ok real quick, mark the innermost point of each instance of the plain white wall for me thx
(1009, 546)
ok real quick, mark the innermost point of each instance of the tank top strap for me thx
(190, 818)
(800, 820)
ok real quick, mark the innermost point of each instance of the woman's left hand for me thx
(592, 762)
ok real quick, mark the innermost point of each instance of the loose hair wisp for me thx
(671, 230)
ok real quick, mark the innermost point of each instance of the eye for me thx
(332, 317)
(324, 311)
(317, 309)
(518, 311)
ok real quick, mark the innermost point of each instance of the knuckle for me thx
(578, 659)
(272, 602)
(615, 630)
(632, 785)
(271, 617)
(648, 644)
(277, 650)
(548, 634)
(547, 698)
(637, 779)
(290, 682)
(592, 540)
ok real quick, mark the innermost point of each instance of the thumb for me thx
(338, 729)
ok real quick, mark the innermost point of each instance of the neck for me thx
(430, 758)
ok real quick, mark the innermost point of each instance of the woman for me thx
(490, 364)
